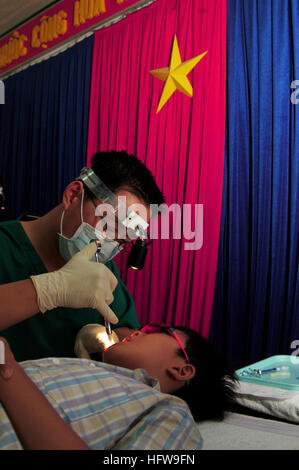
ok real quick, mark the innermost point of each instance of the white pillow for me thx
(277, 402)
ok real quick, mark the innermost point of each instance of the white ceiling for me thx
(14, 12)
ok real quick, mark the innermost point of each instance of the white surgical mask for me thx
(84, 234)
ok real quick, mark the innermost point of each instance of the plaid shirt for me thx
(109, 407)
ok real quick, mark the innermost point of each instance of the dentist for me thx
(52, 287)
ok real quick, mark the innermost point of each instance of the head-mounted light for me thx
(137, 254)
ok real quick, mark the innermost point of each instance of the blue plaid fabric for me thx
(109, 407)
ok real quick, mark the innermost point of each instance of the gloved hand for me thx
(92, 339)
(81, 283)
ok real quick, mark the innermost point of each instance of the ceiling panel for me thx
(14, 12)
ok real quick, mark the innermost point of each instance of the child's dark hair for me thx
(118, 169)
(211, 390)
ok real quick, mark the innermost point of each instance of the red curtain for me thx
(183, 145)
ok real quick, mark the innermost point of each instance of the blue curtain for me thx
(256, 304)
(43, 130)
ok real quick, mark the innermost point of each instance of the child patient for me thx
(139, 397)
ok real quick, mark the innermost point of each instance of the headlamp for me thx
(137, 254)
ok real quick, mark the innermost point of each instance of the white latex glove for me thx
(81, 283)
(91, 339)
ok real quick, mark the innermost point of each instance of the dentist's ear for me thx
(71, 192)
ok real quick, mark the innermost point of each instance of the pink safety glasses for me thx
(149, 329)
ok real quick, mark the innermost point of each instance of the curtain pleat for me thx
(256, 305)
(183, 145)
(44, 125)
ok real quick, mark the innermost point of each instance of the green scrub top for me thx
(53, 333)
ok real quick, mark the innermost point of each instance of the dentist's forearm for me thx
(18, 302)
(80, 283)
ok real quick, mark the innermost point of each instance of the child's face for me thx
(153, 352)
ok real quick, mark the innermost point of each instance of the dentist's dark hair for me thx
(118, 169)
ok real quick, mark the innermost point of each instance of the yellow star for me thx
(175, 76)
